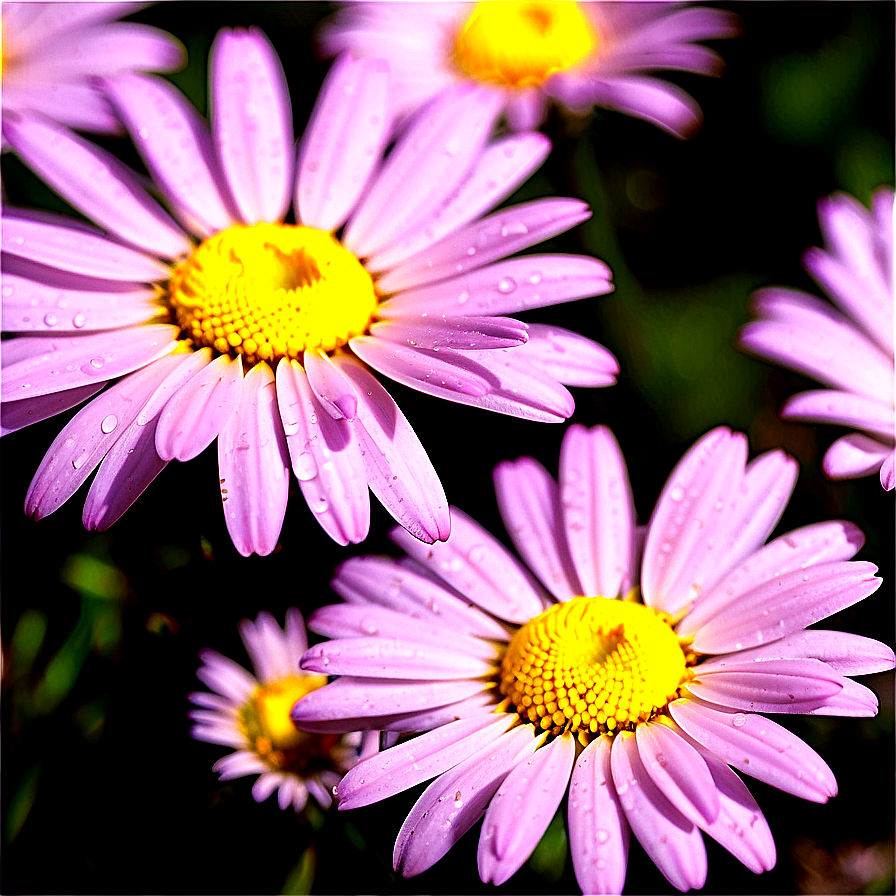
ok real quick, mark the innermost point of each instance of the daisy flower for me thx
(52, 53)
(251, 714)
(628, 672)
(223, 321)
(536, 52)
(849, 347)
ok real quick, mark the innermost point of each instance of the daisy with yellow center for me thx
(538, 52)
(629, 674)
(225, 322)
(251, 714)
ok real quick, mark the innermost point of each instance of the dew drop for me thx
(476, 553)
(78, 462)
(535, 278)
(739, 720)
(313, 419)
(109, 423)
(677, 493)
(506, 285)
(603, 836)
(304, 467)
(463, 298)
(79, 320)
(51, 319)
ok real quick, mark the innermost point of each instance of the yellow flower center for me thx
(271, 291)
(272, 734)
(592, 665)
(521, 44)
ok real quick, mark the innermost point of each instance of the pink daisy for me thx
(251, 714)
(629, 672)
(849, 347)
(52, 54)
(535, 52)
(221, 321)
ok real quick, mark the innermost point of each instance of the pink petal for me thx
(79, 106)
(855, 700)
(19, 414)
(507, 840)
(759, 747)
(237, 765)
(856, 455)
(199, 410)
(35, 23)
(252, 123)
(568, 357)
(843, 409)
(344, 141)
(330, 385)
(223, 675)
(598, 509)
(479, 567)
(470, 333)
(888, 472)
(253, 465)
(598, 832)
(97, 184)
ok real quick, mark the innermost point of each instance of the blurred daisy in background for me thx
(251, 714)
(52, 54)
(849, 347)
(535, 52)
(221, 321)
(628, 672)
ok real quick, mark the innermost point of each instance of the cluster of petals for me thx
(53, 52)
(83, 302)
(634, 40)
(418, 640)
(275, 655)
(848, 346)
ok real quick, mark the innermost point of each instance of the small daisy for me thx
(849, 347)
(251, 714)
(52, 53)
(630, 671)
(535, 52)
(222, 321)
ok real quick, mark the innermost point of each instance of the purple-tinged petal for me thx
(479, 567)
(76, 105)
(774, 685)
(175, 145)
(325, 458)
(237, 765)
(526, 109)
(673, 843)
(888, 472)
(32, 306)
(785, 604)
(35, 23)
(482, 242)
(469, 333)
(855, 455)
(855, 700)
(67, 245)
(843, 409)
(266, 785)
(218, 734)
(212, 701)
(383, 581)
(570, 358)
(332, 388)
(414, 761)
(253, 463)
(821, 542)
(508, 838)
(425, 167)
(84, 441)
(199, 410)
(399, 472)
(456, 800)
(252, 123)
(380, 657)
(224, 676)
(506, 287)
(598, 509)
(758, 747)
(19, 414)
(679, 771)
(97, 184)
(501, 167)
(529, 503)
(598, 832)
(344, 141)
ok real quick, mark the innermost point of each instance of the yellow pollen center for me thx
(271, 291)
(521, 44)
(592, 665)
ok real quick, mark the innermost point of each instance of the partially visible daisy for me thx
(52, 53)
(535, 52)
(849, 347)
(251, 714)
(225, 322)
(631, 673)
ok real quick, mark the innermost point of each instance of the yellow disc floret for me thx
(271, 291)
(521, 44)
(592, 665)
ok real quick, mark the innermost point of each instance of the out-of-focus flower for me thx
(848, 348)
(632, 674)
(52, 53)
(264, 334)
(251, 714)
(535, 52)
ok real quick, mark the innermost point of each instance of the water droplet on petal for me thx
(738, 720)
(51, 319)
(463, 298)
(79, 320)
(304, 466)
(677, 493)
(535, 278)
(506, 285)
(109, 423)
(476, 553)
(603, 836)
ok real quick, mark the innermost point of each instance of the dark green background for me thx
(103, 791)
